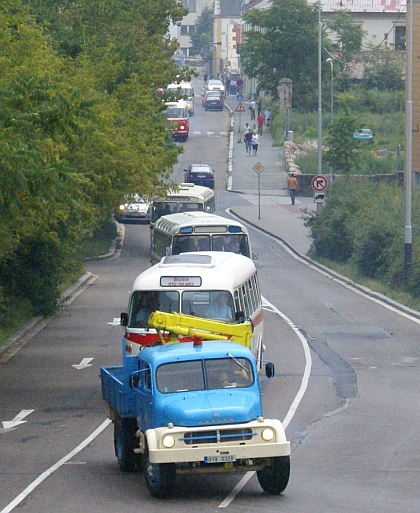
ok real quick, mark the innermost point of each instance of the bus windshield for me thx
(210, 304)
(227, 242)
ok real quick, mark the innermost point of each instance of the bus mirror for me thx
(239, 315)
(255, 255)
(168, 251)
(124, 319)
(269, 370)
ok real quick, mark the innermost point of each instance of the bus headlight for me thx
(168, 441)
(267, 434)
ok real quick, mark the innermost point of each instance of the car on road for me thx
(213, 100)
(135, 209)
(215, 85)
(200, 174)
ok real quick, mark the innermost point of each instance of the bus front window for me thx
(209, 304)
(144, 303)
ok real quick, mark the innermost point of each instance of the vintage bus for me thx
(178, 119)
(186, 197)
(184, 91)
(198, 231)
(214, 285)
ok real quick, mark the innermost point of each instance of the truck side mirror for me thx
(255, 255)
(124, 319)
(270, 370)
(134, 380)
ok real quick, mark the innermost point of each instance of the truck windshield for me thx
(201, 375)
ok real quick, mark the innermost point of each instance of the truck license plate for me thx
(219, 459)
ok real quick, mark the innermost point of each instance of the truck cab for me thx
(194, 407)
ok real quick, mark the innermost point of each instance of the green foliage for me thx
(80, 125)
(384, 70)
(348, 37)
(282, 43)
(343, 153)
(362, 223)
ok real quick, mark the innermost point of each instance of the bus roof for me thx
(203, 221)
(216, 270)
(185, 191)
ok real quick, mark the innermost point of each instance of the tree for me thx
(384, 70)
(283, 43)
(343, 154)
(203, 34)
(347, 37)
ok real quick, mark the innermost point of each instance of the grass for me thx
(377, 286)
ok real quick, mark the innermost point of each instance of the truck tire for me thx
(159, 477)
(124, 443)
(274, 478)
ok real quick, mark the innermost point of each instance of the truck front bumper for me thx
(263, 438)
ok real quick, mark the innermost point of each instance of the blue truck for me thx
(193, 407)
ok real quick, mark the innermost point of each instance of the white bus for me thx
(214, 285)
(184, 91)
(198, 231)
(186, 197)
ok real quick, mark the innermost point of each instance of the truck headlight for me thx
(168, 441)
(267, 434)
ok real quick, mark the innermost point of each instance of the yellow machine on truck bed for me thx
(179, 326)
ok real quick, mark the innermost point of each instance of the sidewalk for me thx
(269, 206)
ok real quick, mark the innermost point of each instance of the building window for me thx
(190, 5)
(187, 29)
(399, 38)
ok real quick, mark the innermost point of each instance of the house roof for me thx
(230, 8)
(360, 6)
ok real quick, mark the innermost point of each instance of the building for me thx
(187, 26)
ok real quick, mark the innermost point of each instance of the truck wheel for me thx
(160, 477)
(124, 443)
(274, 478)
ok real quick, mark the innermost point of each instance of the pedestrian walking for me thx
(255, 142)
(259, 106)
(292, 186)
(252, 109)
(260, 123)
(248, 141)
(267, 119)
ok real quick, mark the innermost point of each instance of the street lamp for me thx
(331, 61)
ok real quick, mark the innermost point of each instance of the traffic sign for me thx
(319, 183)
(239, 82)
(225, 71)
(240, 108)
(258, 168)
(239, 97)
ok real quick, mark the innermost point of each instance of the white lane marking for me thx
(10, 424)
(342, 280)
(296, 401)
(22, 496)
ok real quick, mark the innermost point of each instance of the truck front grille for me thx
(217, 435)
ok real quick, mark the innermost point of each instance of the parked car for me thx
(136, 209)
(213, 100)
(215, 85)
(200, 174)
(364, 134)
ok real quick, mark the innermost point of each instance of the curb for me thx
(26, 332)
(380, 297)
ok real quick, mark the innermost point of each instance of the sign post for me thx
(240, 108)
(319, 183)
(259, 168)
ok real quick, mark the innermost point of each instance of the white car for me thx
(215, 85)
(136, 209)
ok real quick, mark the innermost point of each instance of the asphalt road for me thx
(346, 388)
